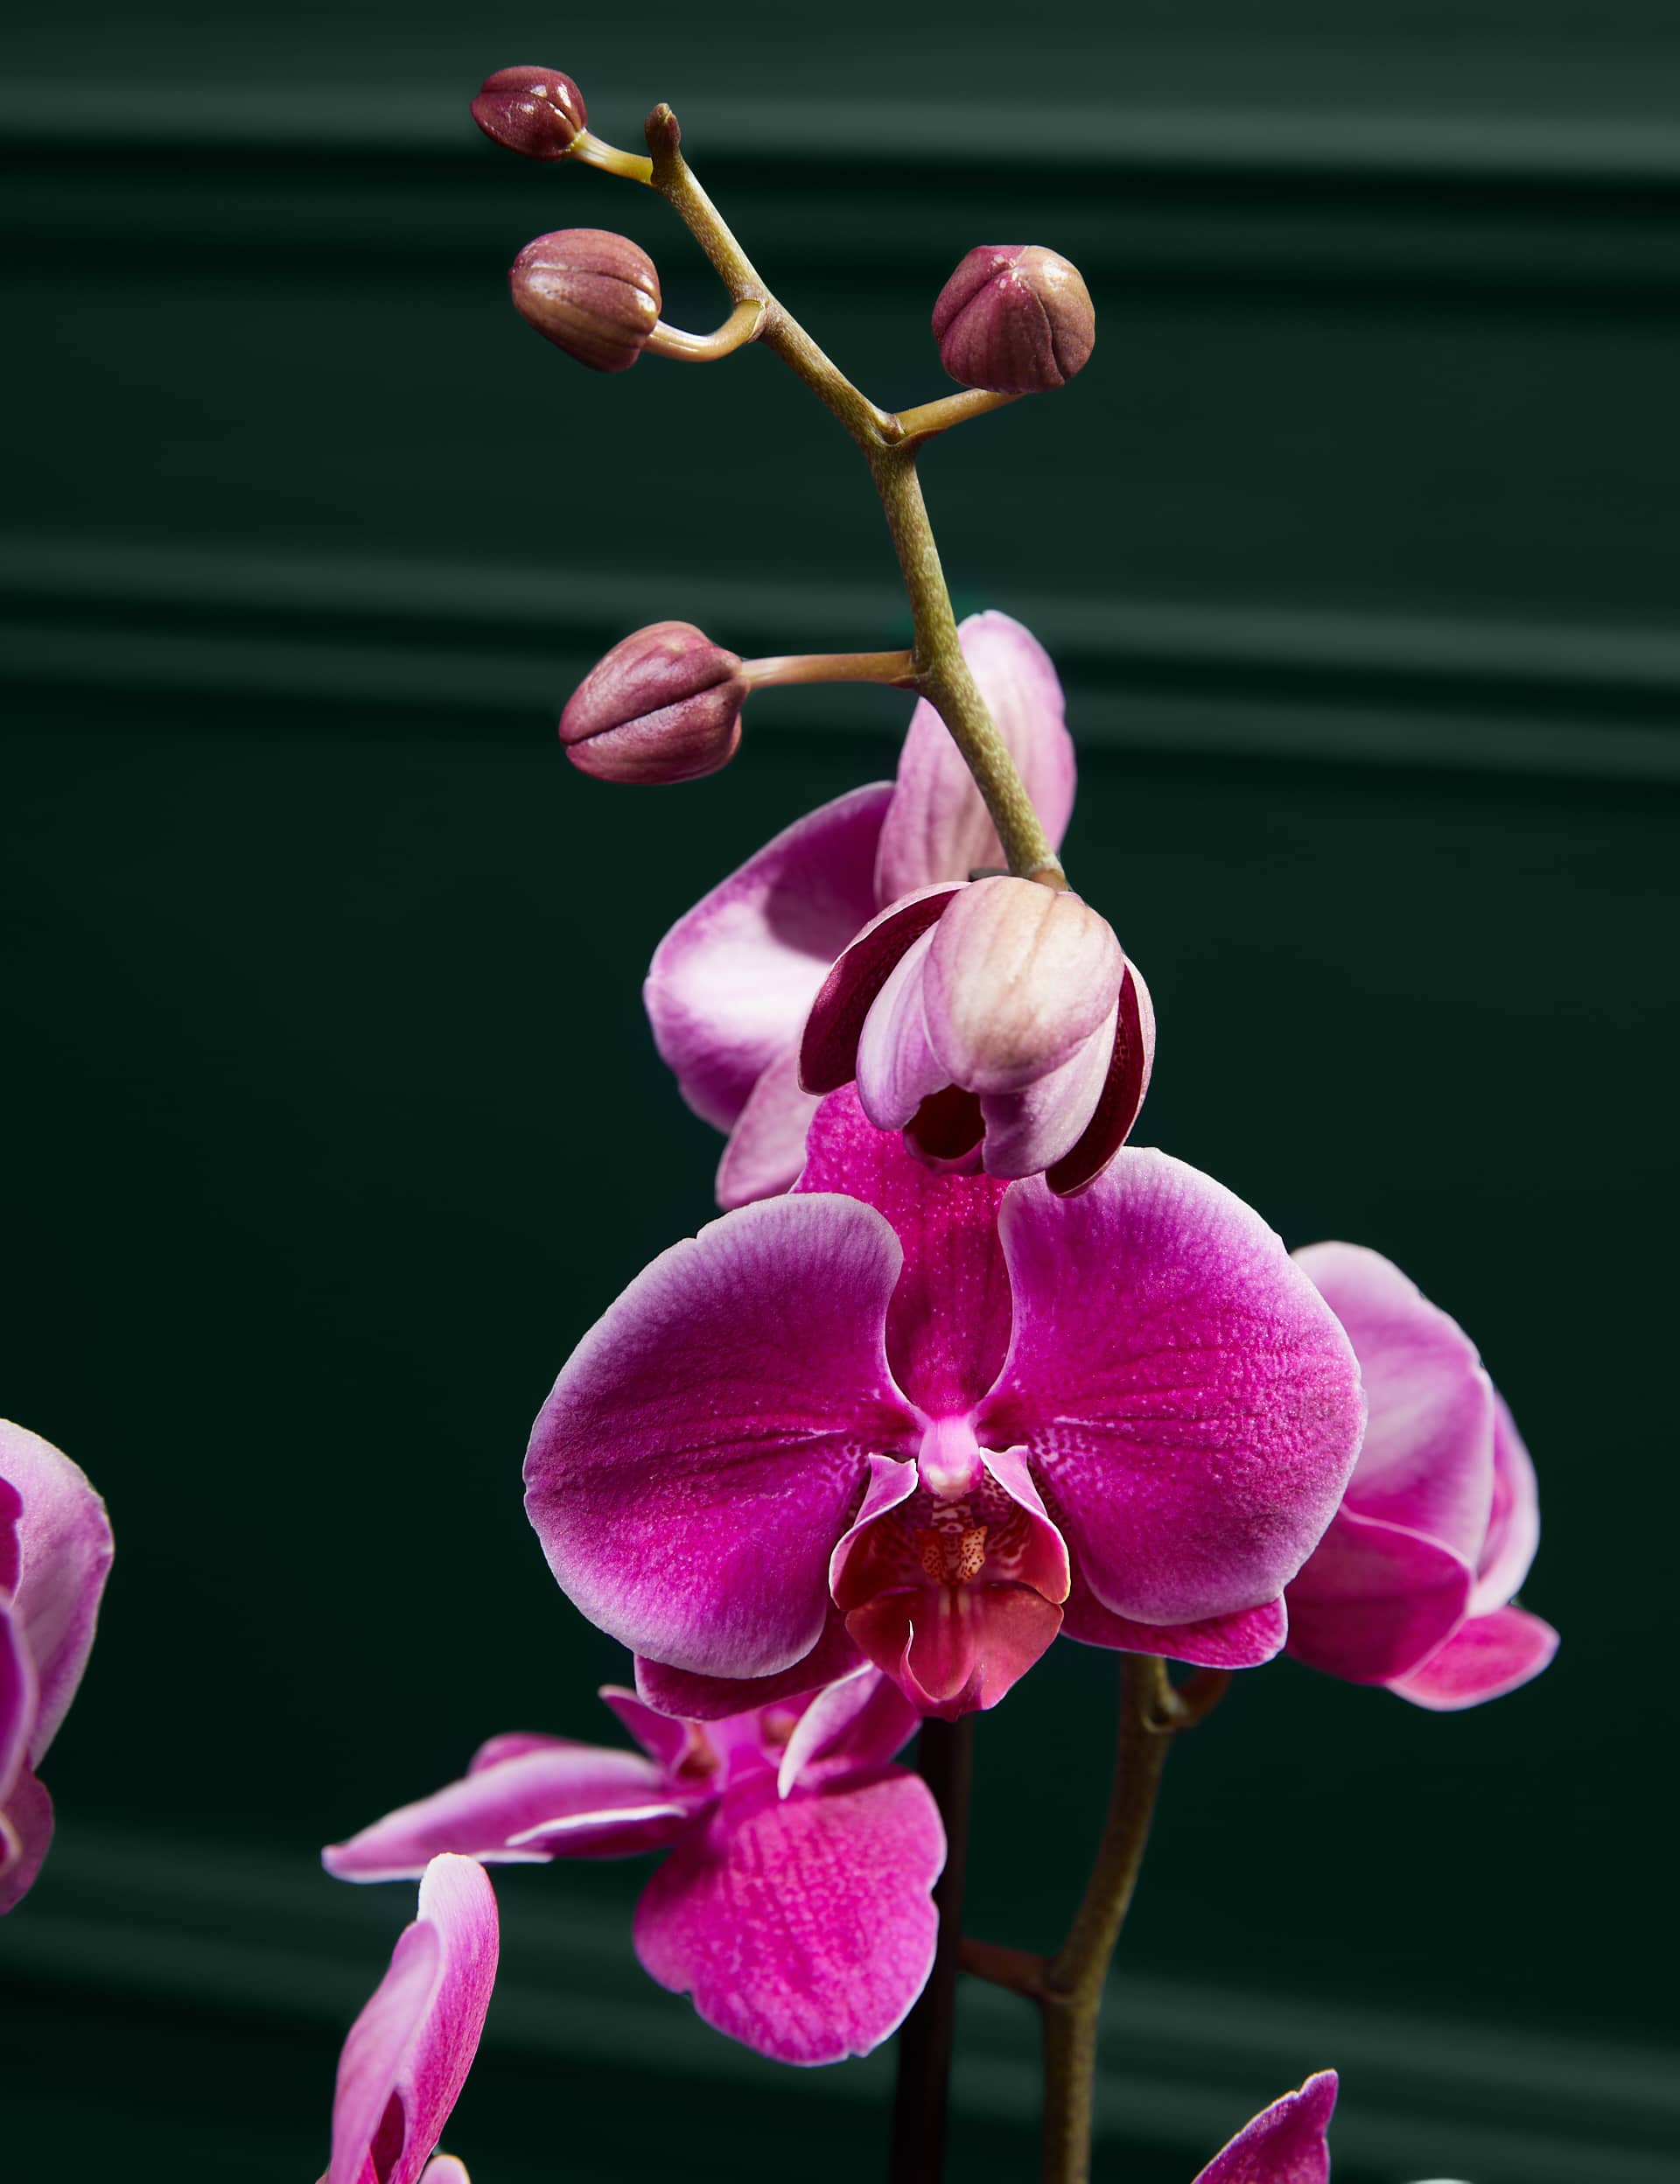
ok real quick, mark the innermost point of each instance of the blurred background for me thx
(330, 1118)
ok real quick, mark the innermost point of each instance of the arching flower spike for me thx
(55, 1554)
(941, 1419)
(796, 1903)
(730, 985)
(1411, 1586)
(407, 2056)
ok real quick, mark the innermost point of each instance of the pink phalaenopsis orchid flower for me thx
(55, 1552)
(998, 1025)
(932, 1418)
(1412, 1586)
(1285, 2144)
(796, 1903)
(730, 983)
(407, 2056)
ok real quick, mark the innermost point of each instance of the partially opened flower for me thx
(1285, 2144)
(407, 2056)
(998, 1025)
(796, 1903)
(55, 1554)
(732, 982)
(1412, 1584)
(938, 1418)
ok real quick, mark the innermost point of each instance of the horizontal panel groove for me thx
(265, 1936)
(1467, 149)
(1259, 681)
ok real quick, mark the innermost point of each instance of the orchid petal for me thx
(730, 983)
(766, 1147)
(696, 1463)
(1031, 1130)
(936, 826)
(708, 1699)
(1190, 1405)
(25, 1838)
(18, 1698)
(563, 1801)
(957, 1650)
(667, 1741)
(1245, 1640)
(1376, 1600)
(947, 1323)
(897, 1068)
(1513, 1527)
(1427, 1462)
(444, 2168)
(1484, 1658)
(1130, 1067)
(862, 1721)
(829, 1043)
(802, 1926)
(407, 2056)
(63, 1542)
(1285, 2144)
(1018, 977)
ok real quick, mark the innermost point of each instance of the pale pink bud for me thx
(1014, 318)
(996, 1025)
(665, 705)
(592, 293)
(538, 112)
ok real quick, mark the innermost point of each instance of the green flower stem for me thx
(1068, 1987)
(941, 674)
(830, 667)
(708, 348)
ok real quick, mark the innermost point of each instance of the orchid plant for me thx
(958, 1372)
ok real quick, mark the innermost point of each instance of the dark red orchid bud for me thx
(665, 705)
(592, 293)
(536, 111)
(1014, 318)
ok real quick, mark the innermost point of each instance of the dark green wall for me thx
(331, 1118)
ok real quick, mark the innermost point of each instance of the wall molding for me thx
(266, 1935)
(504, 644)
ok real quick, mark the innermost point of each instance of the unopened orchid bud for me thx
(537, 112)
(1014, 318)
(996, 1025)
(592, 293)
(665, 705)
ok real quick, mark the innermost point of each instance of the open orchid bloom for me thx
(55, 1553)
(795, 1904)
(730, 983)
(1411, 1586)
(998, 1025)
(1285, 2144)
(934, 1419)
(407, 2056)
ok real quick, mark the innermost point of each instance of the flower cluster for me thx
(959, 1370)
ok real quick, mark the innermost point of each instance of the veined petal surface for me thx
(696, 1463)
(730, 983)
(803, 1926)
(1484, 1658)
(1190, 1405)
(1427, 1461)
